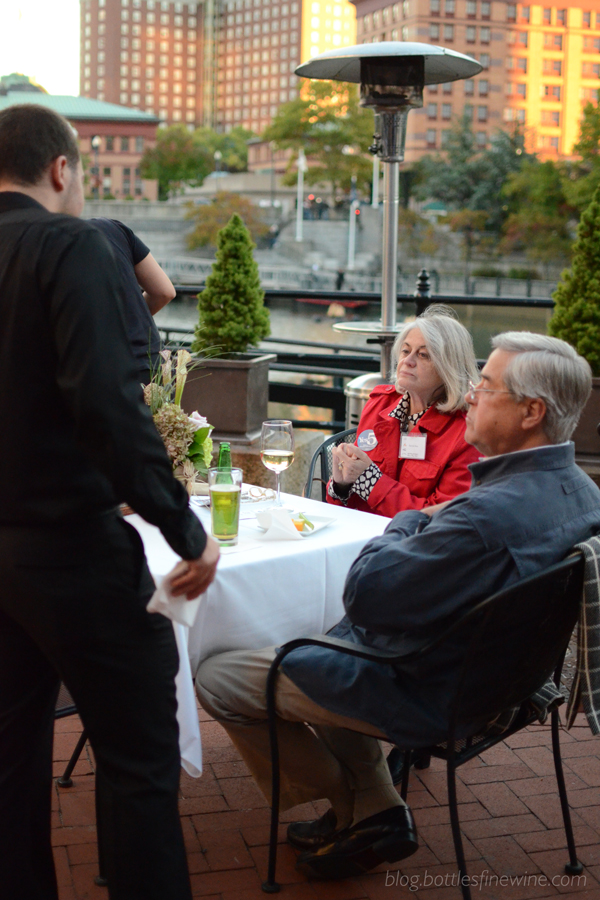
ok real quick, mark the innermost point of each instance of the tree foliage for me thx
(323, 121)
(210, 218)
(583, 177)
(539, 214)
(576, 316)
(175, 160)
(183, 157)
(231, 306)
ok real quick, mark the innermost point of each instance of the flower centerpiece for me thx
(186, 438)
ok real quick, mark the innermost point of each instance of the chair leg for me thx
(456, 835)
(405, 774)
(270, 886)
(65, 779)
(573, 867)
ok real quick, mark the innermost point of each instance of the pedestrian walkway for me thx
(510, 814)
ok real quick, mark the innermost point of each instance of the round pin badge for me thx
(366, 440)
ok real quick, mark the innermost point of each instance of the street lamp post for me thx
(302, 167)
(392, 75)
(217, 156)
(95, 142)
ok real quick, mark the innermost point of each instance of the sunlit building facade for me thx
(218, 62)
(541, 64)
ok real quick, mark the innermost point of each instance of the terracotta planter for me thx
(587, 440)
(233, 394)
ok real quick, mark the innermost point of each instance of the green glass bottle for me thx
(224, 463)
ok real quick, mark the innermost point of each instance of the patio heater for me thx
(392, 75)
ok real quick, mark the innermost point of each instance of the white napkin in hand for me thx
(178, 609)
(278, 524)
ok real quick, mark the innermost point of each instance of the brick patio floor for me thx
(509, 811)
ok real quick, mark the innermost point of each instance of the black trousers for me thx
(72, 607)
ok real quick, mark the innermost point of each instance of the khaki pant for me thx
(337, 758)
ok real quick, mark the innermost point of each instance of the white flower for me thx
(197, 420)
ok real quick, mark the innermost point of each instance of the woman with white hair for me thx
(410, 450)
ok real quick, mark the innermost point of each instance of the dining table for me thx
(268, 588)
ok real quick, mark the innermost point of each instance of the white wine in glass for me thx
(277, 448)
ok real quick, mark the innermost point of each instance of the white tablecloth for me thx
(263, 595)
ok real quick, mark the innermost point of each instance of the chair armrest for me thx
(410, 647)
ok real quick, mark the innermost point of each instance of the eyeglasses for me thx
(474, 390)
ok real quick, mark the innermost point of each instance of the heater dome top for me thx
(344, 64)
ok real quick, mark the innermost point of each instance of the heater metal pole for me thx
(389, 291)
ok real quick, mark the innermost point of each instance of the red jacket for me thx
(413, 483)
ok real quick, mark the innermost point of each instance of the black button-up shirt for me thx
(75, 435)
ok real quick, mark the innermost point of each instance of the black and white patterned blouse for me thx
(365, 482)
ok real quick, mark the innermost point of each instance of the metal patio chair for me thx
(323, 456)
(528, 626)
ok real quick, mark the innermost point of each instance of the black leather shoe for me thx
(310, 835)
(385, 837)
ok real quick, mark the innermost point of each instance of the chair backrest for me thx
(323, 455)
(65, 705)
(515, 640)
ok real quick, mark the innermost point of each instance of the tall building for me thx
(261, 42)
(216, 62)
(148, 55)
(541, 64)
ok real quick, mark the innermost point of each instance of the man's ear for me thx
(534, 413)
(57, 173)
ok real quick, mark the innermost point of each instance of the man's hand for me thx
(348, 462)
(197, 574)
(430, 510)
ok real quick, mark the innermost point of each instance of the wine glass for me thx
(277, 447)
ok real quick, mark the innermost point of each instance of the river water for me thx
(301, 321)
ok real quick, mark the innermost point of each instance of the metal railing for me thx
(342, 361)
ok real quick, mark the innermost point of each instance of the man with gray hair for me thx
(528, 505)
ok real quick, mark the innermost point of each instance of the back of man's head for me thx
(31, 138)
(552, 370)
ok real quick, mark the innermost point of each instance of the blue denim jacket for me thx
(524, 511)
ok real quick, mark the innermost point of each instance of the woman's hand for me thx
(348, 462)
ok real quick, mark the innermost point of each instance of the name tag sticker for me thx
(412, 446)
(366, 440)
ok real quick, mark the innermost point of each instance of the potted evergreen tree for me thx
(576, 316)
(231, 384)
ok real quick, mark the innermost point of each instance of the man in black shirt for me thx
(139, 272)
(76, 440)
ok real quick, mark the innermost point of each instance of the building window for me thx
(484, 35)
(447, 87)
(485, 9)
(434, 7)
(484, 87)
(445, 137)
(551, 117)
(547, 16)
(471, 33)
(525, 13)
(511, 12)
(522, 64)
(551, 92)
(449, 33)
(552, 67)
(482, 113)
(481, 138)
(522, 91)
(139, 145)
(432, 110)
(449, 7)
(471, 9)
(591, 45)
(484, 59)
(124, 144)
(587, 20)
(553, 41)
(434, 32)
(561, 17)
(110, 144)
(446, 110)
(469, 88)
(430, 137)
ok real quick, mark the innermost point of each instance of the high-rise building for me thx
(261, 42)
(216, 62)
(149, 55)
(541, 64)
